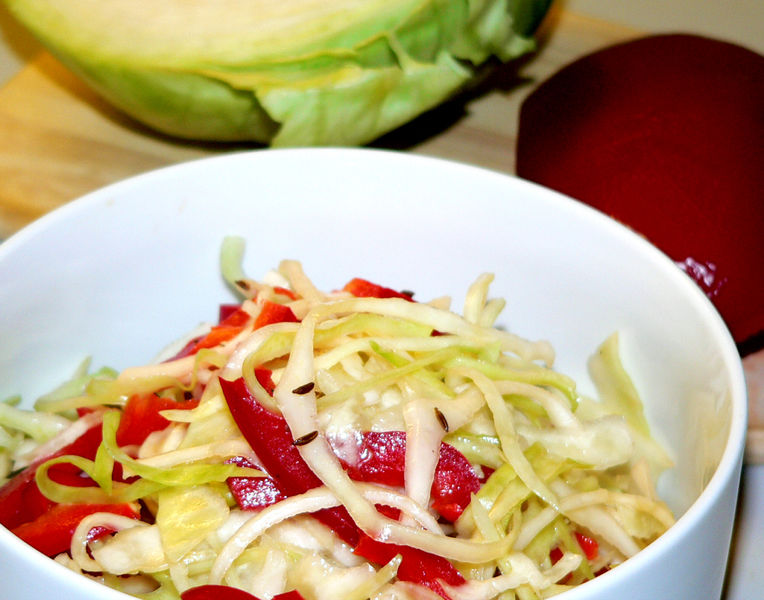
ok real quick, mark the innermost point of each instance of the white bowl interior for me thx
(119, 273)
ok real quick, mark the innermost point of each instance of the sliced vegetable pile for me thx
(354, 444)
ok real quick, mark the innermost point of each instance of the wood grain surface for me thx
(59, 140)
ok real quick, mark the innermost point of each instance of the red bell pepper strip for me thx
(416, 566)
(269, 436)
(264, 379)
(51, 533)
(588, 545)
(226, 310)
(227, 329)
(383, 456)
(86, 446)
(21, 500)
(233, 319)
(286, 292)
(272, 312)
(141, 417)
(187, 350)
(361, 288)
(253, 493)
(223, 592)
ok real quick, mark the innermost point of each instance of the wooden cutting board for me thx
(58, 140)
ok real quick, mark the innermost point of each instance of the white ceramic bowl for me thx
(122, 271)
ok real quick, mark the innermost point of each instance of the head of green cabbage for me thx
(279, 72)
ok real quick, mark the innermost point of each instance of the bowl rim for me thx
(732, 455)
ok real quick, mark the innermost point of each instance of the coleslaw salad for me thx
(350, 444)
